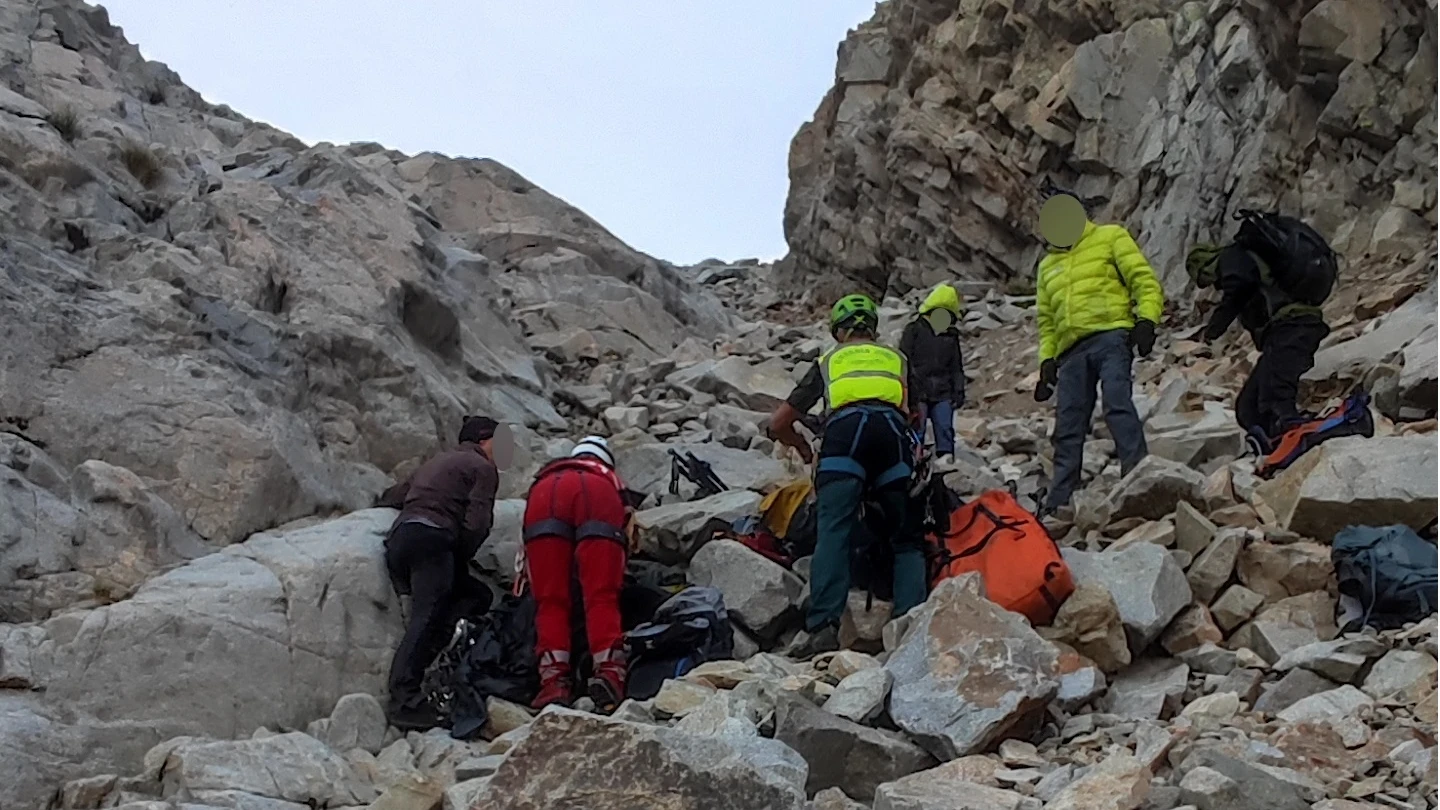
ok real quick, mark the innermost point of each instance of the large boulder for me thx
(969, 673)
(1154, 488)
(38, 529)
(1195, 438)
(1357, 482)
(1214, 566)
(1276, 570)
(646, 467)
(1148, 585)
(952, 786)
(1152, 689)
(1090, 622)
(289, 621)
(1288, 625)
(1119, 782)
(735, 427)
(757, 387)
(496, 556)
(844, 754)
(671, 533)
(290, 767)
(1406, 337)
(758, 592)
(1213, 780)
(126, 533)
(574, 759)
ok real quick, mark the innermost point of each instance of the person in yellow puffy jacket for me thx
(1097, 301)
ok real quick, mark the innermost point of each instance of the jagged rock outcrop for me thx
(259, 329)
(255, 329)
(268, 632)
(921, 163)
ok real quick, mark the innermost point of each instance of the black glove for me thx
(1043, 390)
(1050, 372)
(1142, 337)
(1049, 375)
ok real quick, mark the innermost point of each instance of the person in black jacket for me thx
(1288, 334)
(931, 343)
(447, 508)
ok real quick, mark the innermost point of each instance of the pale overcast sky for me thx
(668, 121)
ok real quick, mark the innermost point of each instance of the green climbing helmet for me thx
(852, 311)
(1200, 263)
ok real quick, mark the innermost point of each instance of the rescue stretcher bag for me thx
(996, 536)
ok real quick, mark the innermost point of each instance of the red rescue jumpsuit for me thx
(575, 517)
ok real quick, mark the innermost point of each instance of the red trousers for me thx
(575, 496)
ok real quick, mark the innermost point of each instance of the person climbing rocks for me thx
(446, 511)
(1097, 303)
(931, 345)
(866, 452)
(575, 518)
(1283, 322)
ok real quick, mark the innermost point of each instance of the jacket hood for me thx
(1089, 229)
(943, 297)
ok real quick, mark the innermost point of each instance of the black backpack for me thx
(872, 558)
(493, 654)
(692, 627)
(1294, 257)
(1390, 570)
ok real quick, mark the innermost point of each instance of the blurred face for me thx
(1062, 220)
(940, 319)
(501, 447)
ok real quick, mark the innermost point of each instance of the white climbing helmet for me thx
(594, 446)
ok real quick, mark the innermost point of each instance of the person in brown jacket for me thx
(446, 510)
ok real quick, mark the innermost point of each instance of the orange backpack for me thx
(1021, 564)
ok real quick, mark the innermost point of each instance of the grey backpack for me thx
(1389, 570)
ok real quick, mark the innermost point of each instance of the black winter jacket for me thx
(1245, 296)
(936, 369)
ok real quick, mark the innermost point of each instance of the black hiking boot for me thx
(409, 717)
(807, 645)
(605, 693)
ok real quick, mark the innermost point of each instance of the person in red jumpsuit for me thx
(575, 517)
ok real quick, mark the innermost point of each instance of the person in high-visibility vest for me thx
(866, 453)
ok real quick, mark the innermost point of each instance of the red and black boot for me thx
(607, 684)
(556, 685)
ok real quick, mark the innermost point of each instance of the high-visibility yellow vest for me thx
(860, 371)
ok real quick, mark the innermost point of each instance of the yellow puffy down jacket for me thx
(1101, 283)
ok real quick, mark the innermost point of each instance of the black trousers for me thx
(1287, 351)
(422, 562)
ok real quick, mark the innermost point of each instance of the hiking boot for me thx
(607, 690)
(556, 685)
(414, 717)
(808, 644)
(555, 690)
(607, 686)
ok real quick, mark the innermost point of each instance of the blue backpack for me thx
(1389, 570)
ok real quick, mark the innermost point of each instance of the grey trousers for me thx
(1101, 359)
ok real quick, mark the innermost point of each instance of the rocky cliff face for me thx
(254, 330)
(922, 161)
